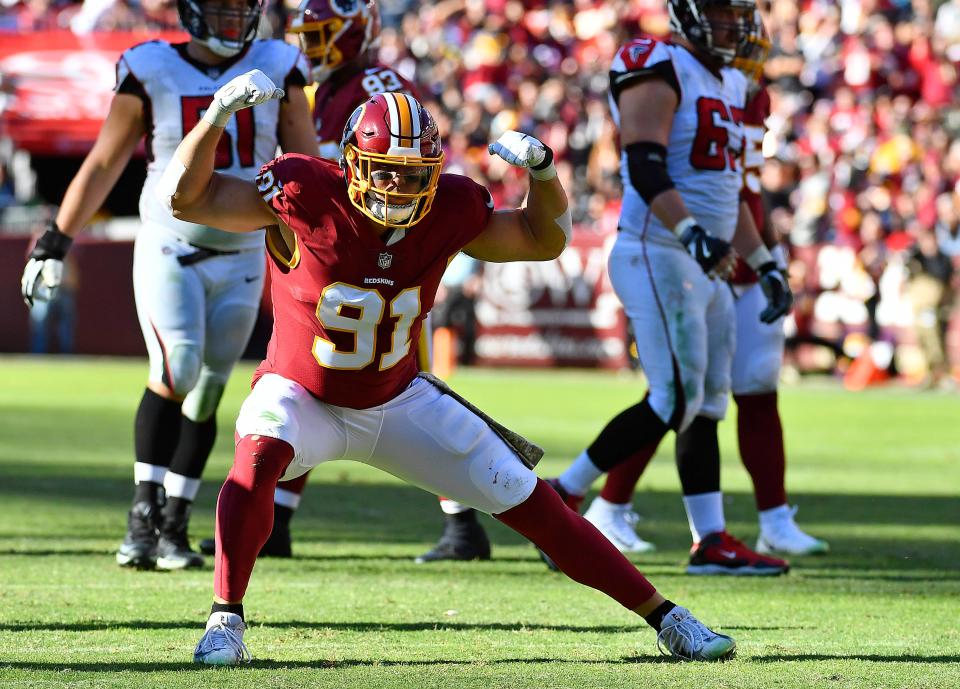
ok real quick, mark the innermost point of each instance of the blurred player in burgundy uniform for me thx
(759, 352)
(756, 361)
(357, 255)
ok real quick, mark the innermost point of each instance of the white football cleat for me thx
(616, 523)
(222, 642)
(684, 636)
(779, 533)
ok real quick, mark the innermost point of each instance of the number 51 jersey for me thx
(706, 137)
(347, 306)
(176, 91)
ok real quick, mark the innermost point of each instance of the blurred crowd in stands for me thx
(863, 173)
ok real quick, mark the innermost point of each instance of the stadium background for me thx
(863, 160)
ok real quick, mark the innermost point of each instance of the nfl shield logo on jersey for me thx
(384, 260)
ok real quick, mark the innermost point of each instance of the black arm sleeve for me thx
(647, 165)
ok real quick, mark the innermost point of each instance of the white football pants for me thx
(684, 326)
(759, 352)
(197, 319)
(422, 436)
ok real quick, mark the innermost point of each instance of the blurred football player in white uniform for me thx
(679, 107)
(755, 374)
(197, 289)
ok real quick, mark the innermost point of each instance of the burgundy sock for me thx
(578, 549)
(295, 485)
(622, 479)
(245, 511)
(761, 447)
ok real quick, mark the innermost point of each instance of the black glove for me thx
(775, 288)
(42, 274)
(706, 249)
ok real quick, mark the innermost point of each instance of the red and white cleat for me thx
(721, 554)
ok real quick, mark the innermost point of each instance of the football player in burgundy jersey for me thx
(357, 252)
(197, 288)
(679, 105)
(757, 356)
(339, 38)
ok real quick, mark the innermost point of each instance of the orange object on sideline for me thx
(864, 372)
(444, 352)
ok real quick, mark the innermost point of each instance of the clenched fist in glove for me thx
(775, 288)
(244, 91)
(526, 151)
(715, 256)
(44, 271)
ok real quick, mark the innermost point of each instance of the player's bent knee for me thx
(506, 482)
(183, 362)
(262, 454)
(202, 401)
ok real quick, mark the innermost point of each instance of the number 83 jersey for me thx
(706, 138)
(176, 91)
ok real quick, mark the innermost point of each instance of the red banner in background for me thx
(552, 313)
(58, 86)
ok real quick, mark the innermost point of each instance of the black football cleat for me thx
(139, 547)
(463, 539)
(173, 548)
(207, 546)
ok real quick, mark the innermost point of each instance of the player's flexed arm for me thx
(193, 190)
(541, 229)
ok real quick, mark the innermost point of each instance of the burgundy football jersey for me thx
(348, 308)
(333, 105)
(758, 110)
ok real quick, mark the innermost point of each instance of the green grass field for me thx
(875, 473)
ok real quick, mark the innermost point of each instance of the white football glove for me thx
(526, 151)
(44, 271)
(244, 91)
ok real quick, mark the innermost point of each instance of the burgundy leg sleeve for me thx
(623, 478)
(245, 512)
(761, 447)
(578, 549)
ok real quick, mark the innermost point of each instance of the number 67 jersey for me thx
(706, 137)
(348, 306)
(176, 91)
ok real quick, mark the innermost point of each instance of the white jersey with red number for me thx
(176, 91)
(706, 137)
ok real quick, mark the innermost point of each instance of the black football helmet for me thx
(226, 27)
(689, 19)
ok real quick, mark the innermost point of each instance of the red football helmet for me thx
(334, 32)
(391, 157)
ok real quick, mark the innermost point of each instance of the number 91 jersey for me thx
(706, 138)
(176, 91)
(348, 307)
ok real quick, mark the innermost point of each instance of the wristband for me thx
(779, 254)
(546, 169)
(217, 115)
(681, 227)
(52, 244)
(759, 258)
